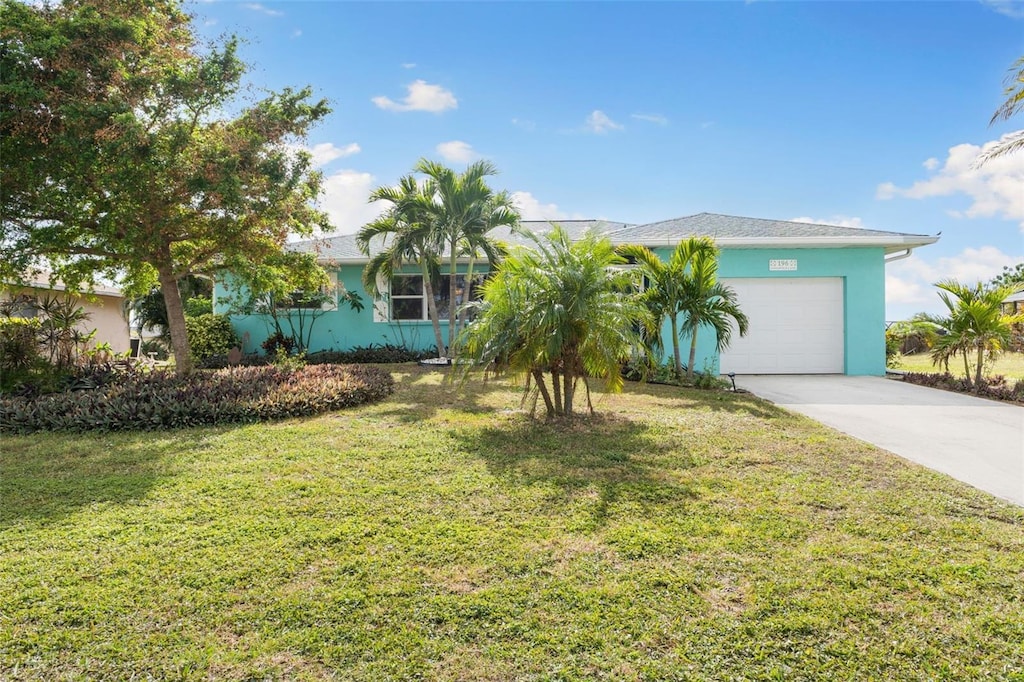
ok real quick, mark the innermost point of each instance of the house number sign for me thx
(782, 264)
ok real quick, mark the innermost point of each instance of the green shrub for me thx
(19, 344)
(198, 306)
(160, 400)
(210, 335)
(372, 354)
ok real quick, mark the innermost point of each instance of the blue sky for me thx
(866, 114)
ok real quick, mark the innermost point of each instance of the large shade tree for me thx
(685, 290)
(976, 327)
(560, 309)
(119, 158)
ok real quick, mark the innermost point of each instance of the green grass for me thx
(442, 534)
(1010, 365)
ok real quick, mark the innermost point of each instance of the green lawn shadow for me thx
(41, 484)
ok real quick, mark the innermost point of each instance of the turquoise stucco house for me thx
(815, 294)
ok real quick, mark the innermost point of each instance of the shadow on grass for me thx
(45, 477)
(596, 463)
(421, 392)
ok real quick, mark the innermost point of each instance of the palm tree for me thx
(559, 308)
(463, 211)
(1014, 104)
(407, 232)
(688, 285)
(975, 324)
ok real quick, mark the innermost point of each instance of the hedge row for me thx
(161, 400)
(997, 387)
(372, 354)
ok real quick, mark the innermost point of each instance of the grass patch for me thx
(441, 534)
(1010, 365)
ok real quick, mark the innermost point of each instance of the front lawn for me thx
(1010, 365)
(442, 534)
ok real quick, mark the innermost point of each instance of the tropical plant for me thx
(560, 308)
(405, 231)
(1014, 104)
(975, 325)
(686, 291)
(461, 213)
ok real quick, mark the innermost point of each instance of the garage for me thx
(796, 326)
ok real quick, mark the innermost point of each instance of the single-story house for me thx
(814, 294)
(1014, 303)
(103, 305)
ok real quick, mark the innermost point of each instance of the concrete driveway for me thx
(980, 442)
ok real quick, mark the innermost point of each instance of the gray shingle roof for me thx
(725, 229)
(719, 226)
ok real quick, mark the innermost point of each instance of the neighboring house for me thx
(103, 305)
(1014, 303)
(815, 294)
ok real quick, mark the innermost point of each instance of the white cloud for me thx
(531, 209)
(422, 97)
(325, 152)
(262, 9)
(996, 189)
(931, 164)
(599, 123)
(345, 200)
(456, 151)
(651, 118)
(911, 280)
(409, 65)
(1010, 8)
(296, 33)
(838, 221)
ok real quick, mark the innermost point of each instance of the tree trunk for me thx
(693, 355)
(538, 376)
(981, 361)
(175, 319)
(569, 386)
(467, 296)
(556, 388)
(675, 348)
(428, 291)
(967, 370)
(451, 300)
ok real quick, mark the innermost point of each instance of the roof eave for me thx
(890, 244)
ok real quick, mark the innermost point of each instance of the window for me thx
(409, 302)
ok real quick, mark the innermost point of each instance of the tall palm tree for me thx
(975, 324)
(558, 308)
(1014, 104)
(709, 303)
(408, 235)
(687, 285)
(463, 211)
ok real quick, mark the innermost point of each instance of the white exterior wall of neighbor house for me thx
(103, 308)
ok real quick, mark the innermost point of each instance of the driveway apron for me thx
(977, 441)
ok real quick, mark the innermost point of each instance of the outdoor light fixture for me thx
(732, 378)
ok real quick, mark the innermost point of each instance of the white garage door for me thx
(796, 327)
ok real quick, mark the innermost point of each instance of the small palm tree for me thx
(975, 325)
(562, 309)
(687, 285)
(408, 236)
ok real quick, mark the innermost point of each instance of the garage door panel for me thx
(796, 326)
